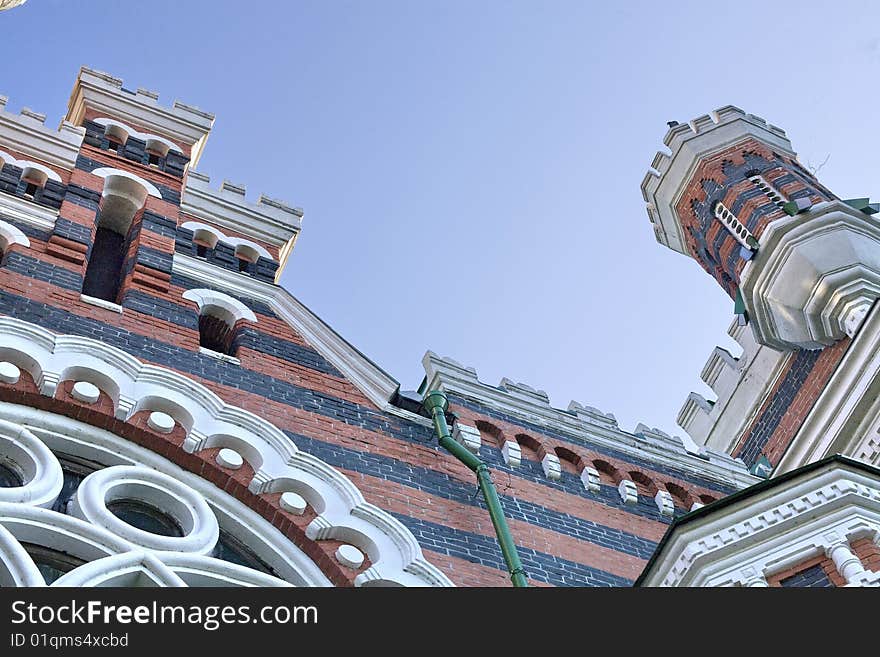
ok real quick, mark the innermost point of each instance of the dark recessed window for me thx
(51, 563)
(145, 517)
(31, 189)
(232, 550)
(201, 250)
(216, 334)
(153, 159)
(104, 271)
(9, 477)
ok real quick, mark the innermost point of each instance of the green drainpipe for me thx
(436, 404)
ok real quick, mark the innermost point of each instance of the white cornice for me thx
(267, 220)
(447, 375)
(27, 212)
(26, 134)
(102, 92)
(772, 530)
(377, 385)
(210, 421)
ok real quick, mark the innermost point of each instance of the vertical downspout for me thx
(436, 404)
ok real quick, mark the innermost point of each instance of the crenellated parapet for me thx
(579, 423)
(740, 385)
(97, 94)
(27, 134)
(268, 221)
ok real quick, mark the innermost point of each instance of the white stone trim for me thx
(131, 132)
(205, 299)
(663, 500)
(449, 376)
(27, 135)
(844, 419)
(103, 93)
(25, 165)
(685, 146)
(219, 356)
(771, 531)
(733, 225)
(551, 466)
(511, 452)
(394, 552)
(629, 493)
(41, 475)
(188, 509)
(590, 479)
(10, 235)
(106, 172)
(101, 303)
(467, 436)
(27, 212)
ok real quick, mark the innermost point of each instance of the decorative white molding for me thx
(293, 503)
(85, 392)
(590, 479)
(103, 93)
(349, 556)
(267, 220)
(10, 235)
(800, 287)
(26, 134)
(663, 500)
(468, 437)
(161, 422)
(185, 506)
(378, 386)
(209, 301)
(629, 494)
(209, 421)
(773, 530)
(551, 466)
(40, 473)
(113, 127)
(9, 373)
(101, 303)
(219, 356)
(511, 453)
(449, 376)
(229, 458)
(200, 229)
(107, 172)
(43, 173)
(685, 146)
(27, 212)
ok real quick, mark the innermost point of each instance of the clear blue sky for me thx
(470, 170)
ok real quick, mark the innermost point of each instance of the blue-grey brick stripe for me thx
(766, 426)
(443, 485)
(34, 268)
(813, 577)
(484, 550)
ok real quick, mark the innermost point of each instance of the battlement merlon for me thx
(268, 220)
(26, 133)
(104, 94)
(686, 145)
(582, 423)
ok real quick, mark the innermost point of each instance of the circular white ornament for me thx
(9, 373)
(350, 556)
(86, 392)
(229, 458)
(293, 503)
(161, 422)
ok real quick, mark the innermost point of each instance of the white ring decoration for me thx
(40, 470)
(184, 505)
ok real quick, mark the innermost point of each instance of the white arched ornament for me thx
(343, 513)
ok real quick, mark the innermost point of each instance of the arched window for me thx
(123, 198)
(219, 319)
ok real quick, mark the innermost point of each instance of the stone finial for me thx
(152, 95)
(467, 436)
(511, 453)
(3, 101)
(552, 467)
